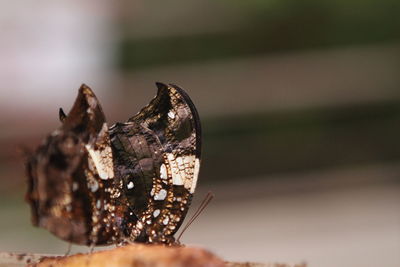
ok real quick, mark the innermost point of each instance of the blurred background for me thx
(299, 100)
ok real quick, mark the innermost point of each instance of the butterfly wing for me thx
(162, 147)
(70, 172)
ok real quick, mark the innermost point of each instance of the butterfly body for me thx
(94, 185)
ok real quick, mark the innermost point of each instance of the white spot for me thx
(171, 114)
(148, 221)
(130, 185)
(152, 191)
(131, 213)
(156, 213)
(165, 221)
(163, 172)
(75, 186)
(94, 185)
(179, 199)
(90, 112)
(98, 204)
(161, 195)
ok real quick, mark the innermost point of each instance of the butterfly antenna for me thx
(199, 210)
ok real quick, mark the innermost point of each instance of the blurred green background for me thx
(299, 101)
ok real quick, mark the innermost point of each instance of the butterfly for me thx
(91, 184)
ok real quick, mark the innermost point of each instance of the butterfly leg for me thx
(68, 249)
(91, 248)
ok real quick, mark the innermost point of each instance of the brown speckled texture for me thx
(139, 255)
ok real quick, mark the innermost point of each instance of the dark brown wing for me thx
(172, 116)
(69, 174)
(162, 147)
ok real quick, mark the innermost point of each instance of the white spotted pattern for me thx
(93, 185)
(156, 213)
(163, 172)
(171, 114)
(160, 195)
(166, 220)
(130, 185)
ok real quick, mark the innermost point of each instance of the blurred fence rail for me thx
(259, 144)
(232, 29)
